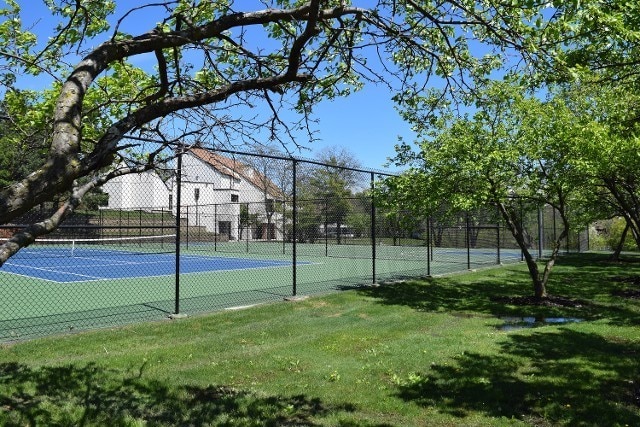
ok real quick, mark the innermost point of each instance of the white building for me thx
(228, 197)
(141, 191)
(218, 193)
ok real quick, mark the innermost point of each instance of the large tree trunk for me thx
(514, 224)
(628, 204)
(616, 253)
(539, 284)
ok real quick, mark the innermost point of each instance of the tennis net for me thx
(113, 246)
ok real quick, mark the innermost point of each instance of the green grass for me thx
(409, 354)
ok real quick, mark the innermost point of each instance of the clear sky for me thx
(365, 123)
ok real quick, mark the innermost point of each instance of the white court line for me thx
(280, 264)
(51, 270)
(116, 264)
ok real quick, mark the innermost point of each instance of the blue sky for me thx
(365, 123)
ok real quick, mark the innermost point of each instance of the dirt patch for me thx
(548, 301)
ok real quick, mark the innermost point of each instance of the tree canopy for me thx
(515, 153)
(103, 114)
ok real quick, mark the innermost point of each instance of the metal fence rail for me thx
(233, 229)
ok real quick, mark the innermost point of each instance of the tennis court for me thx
(86, 283)
(103, 265)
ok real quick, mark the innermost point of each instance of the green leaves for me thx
(513, 147)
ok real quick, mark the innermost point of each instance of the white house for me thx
(218, 193)
(142, 191)
(221, 193)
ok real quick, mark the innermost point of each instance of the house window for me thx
(196, 194)
(170, 202)
(234, 198)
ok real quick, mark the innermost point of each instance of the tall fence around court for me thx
(230, 229)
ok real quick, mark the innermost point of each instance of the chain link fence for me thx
(228, 229)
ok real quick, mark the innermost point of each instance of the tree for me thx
(274, 176)
(332, 186)
(246, 222)
(213, 64)
(22, 141)
(609, 160)
(604, 45)
(515, 154)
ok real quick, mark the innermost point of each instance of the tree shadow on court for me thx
(93, 395)
(545, 378)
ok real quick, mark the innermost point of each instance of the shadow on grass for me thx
(92, 395)
(565, 377)
(544, 377)
(585, 278)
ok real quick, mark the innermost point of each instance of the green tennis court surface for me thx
(33, 305)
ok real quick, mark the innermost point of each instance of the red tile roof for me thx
(238, 170)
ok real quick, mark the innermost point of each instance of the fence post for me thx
(498, 261)
(373, 230)
(429, 246)
(178, 228)
(247, 230)
(188, 230)
(521, 227)
(432, 239)
(555, 237)
(326, 225)
(468, 241)
(540, 231)
(215, 227)
(295, 228)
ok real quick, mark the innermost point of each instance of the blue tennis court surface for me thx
(81, 268)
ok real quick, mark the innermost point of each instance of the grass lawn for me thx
(419, 353)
